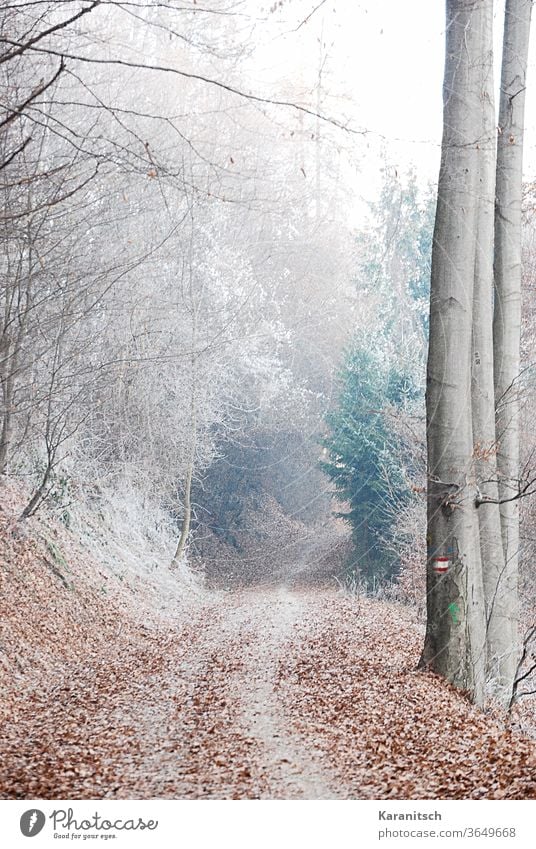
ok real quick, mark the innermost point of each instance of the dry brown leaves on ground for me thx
(262, 693)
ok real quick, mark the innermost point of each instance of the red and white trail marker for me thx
(440, 565)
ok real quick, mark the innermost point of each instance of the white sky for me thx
(387, 56)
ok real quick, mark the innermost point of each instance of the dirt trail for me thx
(264, 693)
(264, 626)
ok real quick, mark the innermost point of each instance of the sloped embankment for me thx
(74, 631)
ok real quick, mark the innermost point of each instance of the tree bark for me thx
(483, 395)
(187, 515)
(455, 634)
(507, 328)
(187, 502)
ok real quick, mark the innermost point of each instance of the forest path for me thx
(263, 629)
(265, 693)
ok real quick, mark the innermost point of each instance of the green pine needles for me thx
(365, 459)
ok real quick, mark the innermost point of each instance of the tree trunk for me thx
(187, 515)
(39, 494)
(455, 633)
(507, 322)
(483, 396)
(8, 387)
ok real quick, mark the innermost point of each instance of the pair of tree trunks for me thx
(473, 359)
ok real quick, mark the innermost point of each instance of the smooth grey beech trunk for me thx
(473, 362)
(455, 635)
(499, 632)
(503, 603)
